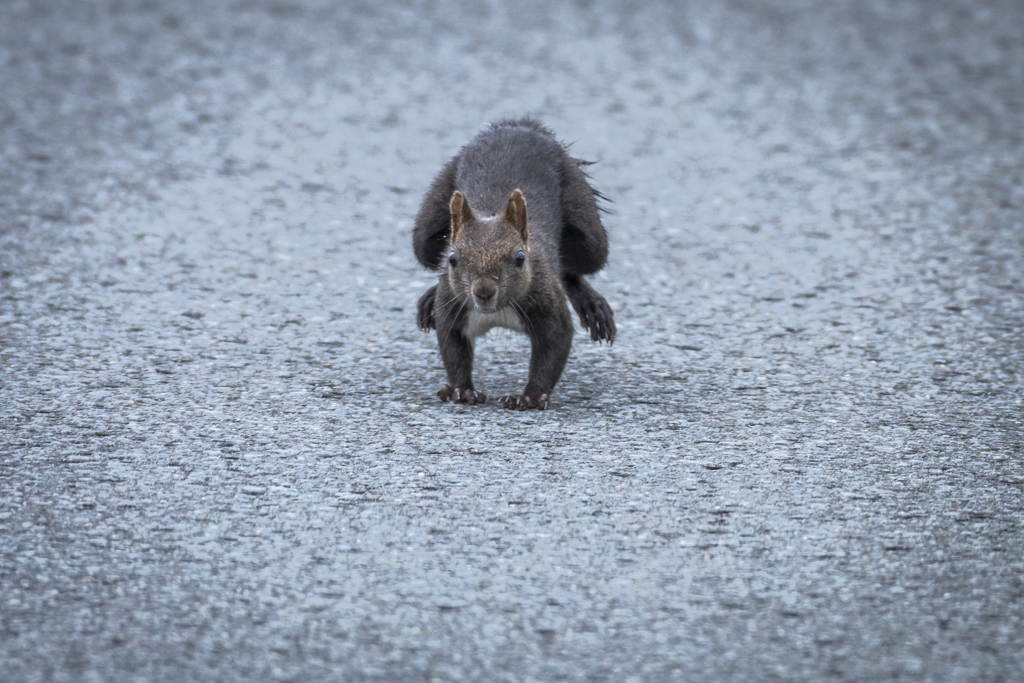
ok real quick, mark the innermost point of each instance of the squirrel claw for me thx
(524, 402)
(597, 317)
(469, 396)
(425, 310)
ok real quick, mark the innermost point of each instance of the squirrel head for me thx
(489, 258)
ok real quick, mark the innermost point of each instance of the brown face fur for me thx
(485, 273)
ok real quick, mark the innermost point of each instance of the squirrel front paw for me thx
(597, 317)
(425, 310)
(469, 396)
(523, 402)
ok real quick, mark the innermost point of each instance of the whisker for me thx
(525, 318)
(457, 314)
(449, 302)
(447, 308)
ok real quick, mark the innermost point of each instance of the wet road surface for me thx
(220, 451)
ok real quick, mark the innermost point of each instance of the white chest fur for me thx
(479, 324)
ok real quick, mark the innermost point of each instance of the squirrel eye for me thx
(453, 259)
(520, 259)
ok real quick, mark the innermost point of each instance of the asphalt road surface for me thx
(221, 457)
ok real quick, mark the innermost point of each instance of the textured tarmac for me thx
(221, 457)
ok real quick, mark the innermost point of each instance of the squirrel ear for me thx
(515, 213)
(461, 213)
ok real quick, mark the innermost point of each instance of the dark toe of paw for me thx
(468, 396)
(525, 402)
(598, 319)
(605, 324)
(425, 310)
(425, 319)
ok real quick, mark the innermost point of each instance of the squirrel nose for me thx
(484, 290)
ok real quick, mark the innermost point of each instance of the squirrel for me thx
(504, 265)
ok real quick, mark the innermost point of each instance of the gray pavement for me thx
(221, 457)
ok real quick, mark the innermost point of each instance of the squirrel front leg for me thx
(551, 341)
(457, 356)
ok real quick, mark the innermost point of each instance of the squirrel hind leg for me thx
(592, 308)
(584, 242)
(433, 221)
(425, 310)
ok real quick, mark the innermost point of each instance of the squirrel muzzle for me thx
(484, 291)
